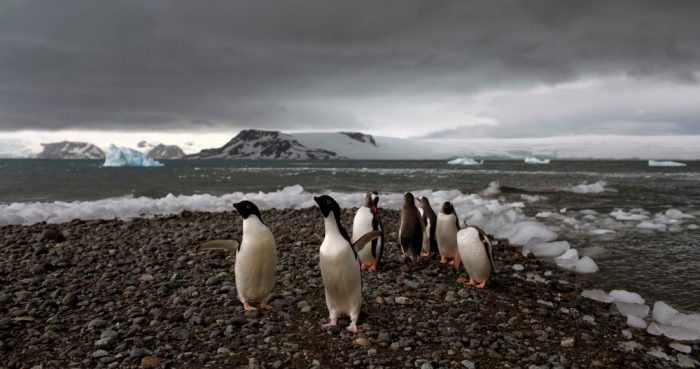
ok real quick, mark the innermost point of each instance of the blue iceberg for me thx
(126, 157)
(534, 160)
(465, 161)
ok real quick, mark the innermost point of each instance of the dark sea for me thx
(639, 223)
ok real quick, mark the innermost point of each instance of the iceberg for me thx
(665, 163)
(126, 157)
(534, 160)
(464, 161)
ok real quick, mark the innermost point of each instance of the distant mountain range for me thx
(70, 150)
(256, 144)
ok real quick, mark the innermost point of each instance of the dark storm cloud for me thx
(222, 64)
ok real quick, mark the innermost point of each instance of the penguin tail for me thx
(219, 245)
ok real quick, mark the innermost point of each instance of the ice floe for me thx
(665, 163)
(465, 161)
(534, 160)
(626, 297)
(596, 187)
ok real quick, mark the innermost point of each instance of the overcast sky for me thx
(400, 68)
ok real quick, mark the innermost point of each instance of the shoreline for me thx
(127, 293)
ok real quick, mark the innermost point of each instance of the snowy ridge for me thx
(256, 144)
(381, 148)
(666, 163)
(70, 150)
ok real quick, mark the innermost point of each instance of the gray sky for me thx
(400, 68)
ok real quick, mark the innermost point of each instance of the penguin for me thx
(366, 220)
(430, 246)
(340, 266)
(446, 234)
(411, 230)
(256, 257)
(477, 256)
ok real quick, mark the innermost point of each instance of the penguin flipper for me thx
(487, 245)
(364, 240)
(220, 245)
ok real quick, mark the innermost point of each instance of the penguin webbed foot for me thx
(443, 260)
(247, 307)
(480, 285)
(352, 327)
(265, 306)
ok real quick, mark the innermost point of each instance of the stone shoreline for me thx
(127, 294)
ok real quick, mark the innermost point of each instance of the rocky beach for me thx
(139, 293)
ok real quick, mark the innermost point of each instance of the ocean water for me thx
(639, 223)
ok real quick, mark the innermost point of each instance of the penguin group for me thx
(422, 234)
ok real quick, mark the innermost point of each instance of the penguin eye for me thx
(328, 201)
(248, 206)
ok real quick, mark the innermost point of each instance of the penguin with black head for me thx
(256, 257)
(366, 220)
(340, 266)
(430, 222)
(446, 234)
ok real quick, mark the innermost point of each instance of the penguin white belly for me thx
(340, 272)
(361, 225)
(256, 262)
(426, 236)
(446, 235)
(473, 254)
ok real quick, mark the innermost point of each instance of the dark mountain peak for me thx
(361, 137)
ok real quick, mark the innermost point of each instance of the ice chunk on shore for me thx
(126, 157)
(679, 333)
(550, 249)
(597, 187)
(568, 259)
(636, 322)
(638, 310)
(534, 160)
(663, 313)
(585, 265)
(598, 295)
(626, 296)
(680, 347)
(665, 163)
(690, 321)
(529, 232)
(464, 161)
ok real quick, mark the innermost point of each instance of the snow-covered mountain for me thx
(257, 144)
(354, 145)
(161, 151)
(70, 150)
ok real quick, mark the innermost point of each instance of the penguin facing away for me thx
(411, 230)
(367, 220)
(446, 234)
(340, 266)
(429, 221)
(256, 257)
(477, 256)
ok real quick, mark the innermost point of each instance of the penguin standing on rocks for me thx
(430, 246)
(411, 230)
(477, 256)
(340, 266)
(256, 257)
(446, 234)
(367, 220)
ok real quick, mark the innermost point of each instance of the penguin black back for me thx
(411, 230)
(448, 209)
(429, 215)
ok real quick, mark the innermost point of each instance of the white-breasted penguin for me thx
(446, 234)
(366, 220)
(256, 257)
(340, 266)
(411, 230)
(476, 254)
(429, 221)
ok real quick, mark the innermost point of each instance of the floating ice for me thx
(636, 322)
(623, 215)
(585, 265)
(464, 161)
(534, 160)
(663, 313)
(599, 232)
(550, 249)
(650, 225)
(543, 214)
(598, 295)
(626, 296)
(665, 163)
(126, 157)
(528, 232)
(597, 187)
